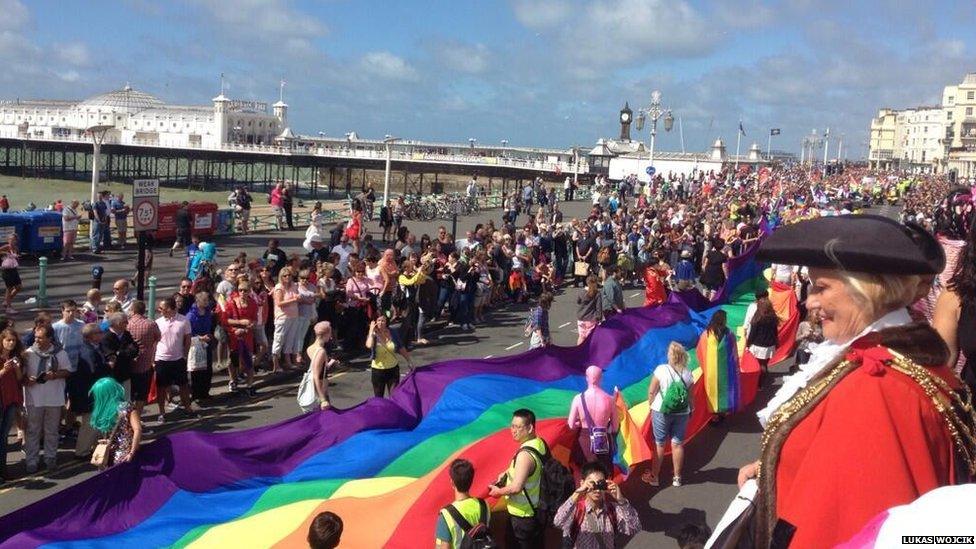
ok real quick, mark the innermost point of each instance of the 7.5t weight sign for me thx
(145, 204)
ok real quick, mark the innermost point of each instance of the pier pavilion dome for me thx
(123, 100)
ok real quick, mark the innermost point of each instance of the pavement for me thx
(713, 457)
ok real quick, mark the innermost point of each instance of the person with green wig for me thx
(116, 419)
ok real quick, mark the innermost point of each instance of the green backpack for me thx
(675, 399)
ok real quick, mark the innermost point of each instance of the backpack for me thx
(555, 485)
(477, 536)
(676, 397)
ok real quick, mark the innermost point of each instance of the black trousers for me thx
(288, 220)
(524, 533)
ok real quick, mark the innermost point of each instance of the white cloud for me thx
(541, 14)
(744, 14)
(256, 17)
(593, 38)
(275, 24)
(385, 65)
(73, 53)
(13, 15)
(466, 58)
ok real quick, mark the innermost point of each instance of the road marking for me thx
(564, 324)
(489, 356)
(510, 347)
(635, 295)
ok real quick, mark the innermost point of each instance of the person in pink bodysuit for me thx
(601, 407)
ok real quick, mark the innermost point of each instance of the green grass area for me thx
(42, 192)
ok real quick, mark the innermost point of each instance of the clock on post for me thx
(626, 116)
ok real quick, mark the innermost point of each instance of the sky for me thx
(545, 73)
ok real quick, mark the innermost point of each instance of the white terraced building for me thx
(138, 118)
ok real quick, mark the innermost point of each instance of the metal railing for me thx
(560, 167)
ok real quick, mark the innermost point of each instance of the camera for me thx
(600, 485)
(42, 377)
(503, 481)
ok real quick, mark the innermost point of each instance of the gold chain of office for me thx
(944, 398)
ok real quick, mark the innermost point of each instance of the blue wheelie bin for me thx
(41, 232)
(11, 223)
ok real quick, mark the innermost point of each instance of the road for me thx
(713, 458)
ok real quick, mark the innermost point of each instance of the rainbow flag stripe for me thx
(381, 465)
(719, 364)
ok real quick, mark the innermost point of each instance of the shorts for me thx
(260, 336)
(11, 277)
(170, 372)
(183, 236)
(384, 376)
(121, 223)
(666, 425)
(140, 386)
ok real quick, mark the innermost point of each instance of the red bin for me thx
(203, 216)
(167, 222)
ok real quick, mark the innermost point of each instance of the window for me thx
(969, 111)
(948, 115)
(970, 95)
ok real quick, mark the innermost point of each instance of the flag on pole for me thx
(774, 131)
(743, 131)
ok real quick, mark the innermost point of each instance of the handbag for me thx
(599, 436)
(9, 262)
(306, 392)
(103, 450)
(581, 268)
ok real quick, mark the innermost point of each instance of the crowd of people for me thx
(90, 374)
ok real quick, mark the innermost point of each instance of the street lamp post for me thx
(654, 112)
(388, 141)
(826, 146)
(98, 135)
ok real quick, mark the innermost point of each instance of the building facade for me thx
(881, 151)
(959, 106)
(138, 118)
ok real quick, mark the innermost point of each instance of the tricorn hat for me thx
(859, 243)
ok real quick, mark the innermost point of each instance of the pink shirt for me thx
(601, 407)
(290, 310)
(171, 340)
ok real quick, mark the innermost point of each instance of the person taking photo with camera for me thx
(597, 514)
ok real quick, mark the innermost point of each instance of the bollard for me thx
(151, 305)
(42, 283)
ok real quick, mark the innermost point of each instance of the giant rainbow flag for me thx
(381, 465)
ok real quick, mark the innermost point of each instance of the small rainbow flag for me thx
(719, 362)
(632, 447)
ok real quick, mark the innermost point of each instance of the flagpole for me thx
(769, 141)
(738, 138)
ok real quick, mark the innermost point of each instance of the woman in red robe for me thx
(655, 276)
(876, 418)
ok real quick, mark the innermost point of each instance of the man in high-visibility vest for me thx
(474, 510)
(523, 478)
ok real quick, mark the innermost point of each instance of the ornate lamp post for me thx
(654, 112)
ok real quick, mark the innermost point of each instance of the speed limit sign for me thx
(145, 207)
(146, 213)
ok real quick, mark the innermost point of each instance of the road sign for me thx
(145, 187)
(145, 204)
(650, 170)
